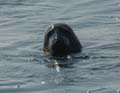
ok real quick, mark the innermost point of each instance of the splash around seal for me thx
(61, 41)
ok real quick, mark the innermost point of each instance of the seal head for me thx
(60, 40)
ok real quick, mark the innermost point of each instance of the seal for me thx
(61, 41)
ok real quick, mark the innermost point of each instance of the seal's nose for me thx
(58, 39)
(59, 48)
(58, 42)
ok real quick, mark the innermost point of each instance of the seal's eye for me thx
(53, 36)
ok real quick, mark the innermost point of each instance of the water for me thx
(23, 68)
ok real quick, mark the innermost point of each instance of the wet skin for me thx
(60, 41)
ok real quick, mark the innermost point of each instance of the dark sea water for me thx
(23, 67)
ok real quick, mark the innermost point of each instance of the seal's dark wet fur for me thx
(60, 41)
